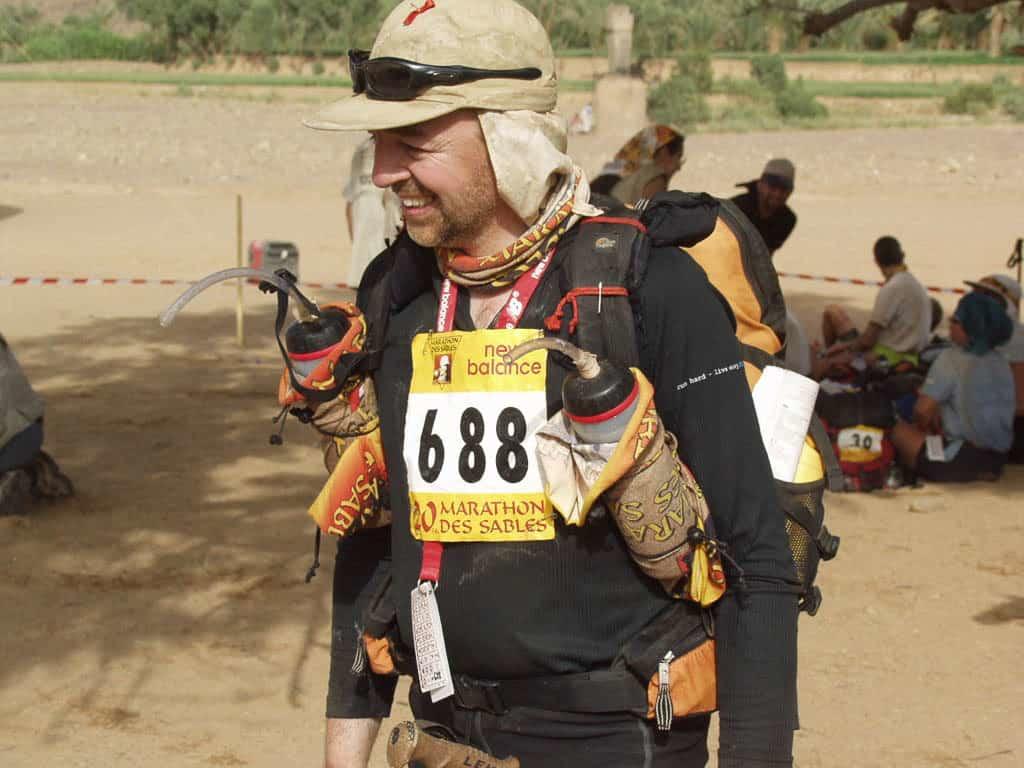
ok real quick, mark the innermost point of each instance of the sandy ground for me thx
(160, 618)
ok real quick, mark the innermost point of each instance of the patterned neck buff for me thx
(503, 268)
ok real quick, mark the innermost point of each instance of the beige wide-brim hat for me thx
(1003, 286)
(486, 34)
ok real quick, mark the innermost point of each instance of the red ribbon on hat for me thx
(417, 11)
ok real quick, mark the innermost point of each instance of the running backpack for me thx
(859, 425)
(605, 263)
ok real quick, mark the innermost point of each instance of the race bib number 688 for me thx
(470, 438)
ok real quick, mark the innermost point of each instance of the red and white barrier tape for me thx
(67, 281)
(857, 281)
(119, 281)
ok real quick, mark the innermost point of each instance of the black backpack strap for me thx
(603, 257)
(833, 472)
(758, 357)
(393, 279)
(607, 261)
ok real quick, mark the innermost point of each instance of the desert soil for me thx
(160, 618)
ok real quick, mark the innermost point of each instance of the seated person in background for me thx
(936, 344)
(1008, 291)
(968, 399)
(764, 202)
(26, 471)
(644, 166)
(900, 322)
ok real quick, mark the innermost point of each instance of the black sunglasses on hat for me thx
(391, 79)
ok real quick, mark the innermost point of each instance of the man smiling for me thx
(515, 625)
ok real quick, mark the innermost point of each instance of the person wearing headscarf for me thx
(513, 623)
(1008, 290)
(643, 166)
(967, 401)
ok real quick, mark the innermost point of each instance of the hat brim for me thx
(774, 180)
(359, 113)
(987, 289)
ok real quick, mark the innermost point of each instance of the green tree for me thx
(770, 71)
(188, 27)
(258, 29)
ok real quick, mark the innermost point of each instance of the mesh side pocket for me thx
(809, 540)
(804, 554)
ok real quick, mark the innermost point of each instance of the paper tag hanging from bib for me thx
(470, 438)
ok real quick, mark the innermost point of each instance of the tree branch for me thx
(817, 24)
(904, 23)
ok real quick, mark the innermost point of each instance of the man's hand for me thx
(928, 415)
(349, 742)
(830, 362)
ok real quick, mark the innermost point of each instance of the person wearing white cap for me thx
(520, 630)
(765, 202)
(1008, 291)
(373, 215)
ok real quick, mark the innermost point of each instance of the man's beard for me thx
(457, 220)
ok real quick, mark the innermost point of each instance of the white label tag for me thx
(428, 642)
(862, 439)
(934, 449)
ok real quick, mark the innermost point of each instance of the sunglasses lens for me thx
(356, 60)
(390, 80)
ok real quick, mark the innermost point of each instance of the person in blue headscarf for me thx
(968, 400)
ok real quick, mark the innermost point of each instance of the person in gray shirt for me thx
(967, 400)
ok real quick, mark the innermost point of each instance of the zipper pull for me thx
(663, 705)
(359, 664)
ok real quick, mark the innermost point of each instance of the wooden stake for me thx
(239, 308)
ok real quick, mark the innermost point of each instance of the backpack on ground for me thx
(859, 425)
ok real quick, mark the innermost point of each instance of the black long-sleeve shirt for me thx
(532, 609)
(775, 229)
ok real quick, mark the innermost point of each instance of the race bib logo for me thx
(442, 369)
